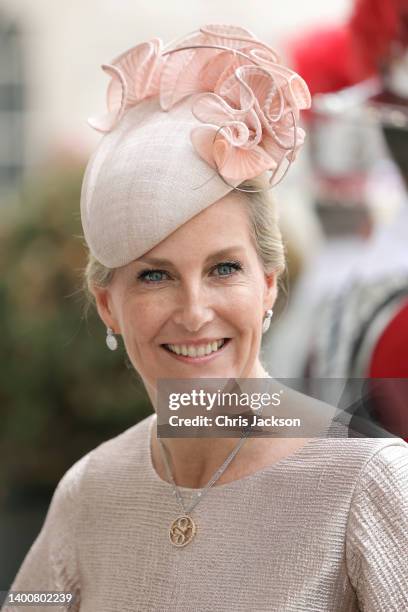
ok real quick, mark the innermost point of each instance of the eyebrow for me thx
(166, 262)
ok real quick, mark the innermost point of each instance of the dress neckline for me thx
(233, 484)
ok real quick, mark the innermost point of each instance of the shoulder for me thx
(339, 442)
(128, 445)
(384, 477)
(109, 461)
(357, 464)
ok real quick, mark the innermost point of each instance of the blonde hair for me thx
(265, 233)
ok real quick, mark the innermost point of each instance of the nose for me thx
(193, 309)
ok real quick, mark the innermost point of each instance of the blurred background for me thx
(343, 209)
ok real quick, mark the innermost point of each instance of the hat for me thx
(186, 124)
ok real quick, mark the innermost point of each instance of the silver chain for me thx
(200, 494)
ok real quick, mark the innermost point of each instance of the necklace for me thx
(183, 529)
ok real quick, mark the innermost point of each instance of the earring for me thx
(267, 320)
(111, 341)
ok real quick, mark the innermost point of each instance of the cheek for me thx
(245, 304)
(141, 319)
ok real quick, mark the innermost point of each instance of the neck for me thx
(193, 461)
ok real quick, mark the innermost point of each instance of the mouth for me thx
(196, 353)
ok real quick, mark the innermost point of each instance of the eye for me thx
(228, 268)
(151, 276)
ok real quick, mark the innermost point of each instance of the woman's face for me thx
(201, 287)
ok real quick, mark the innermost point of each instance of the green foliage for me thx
(62, 392)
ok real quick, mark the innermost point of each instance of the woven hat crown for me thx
(185, 125)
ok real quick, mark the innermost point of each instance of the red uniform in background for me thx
(362, 332)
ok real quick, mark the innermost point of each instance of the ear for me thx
(104, 307)
(271, 290)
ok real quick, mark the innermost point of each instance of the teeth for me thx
(196, 351)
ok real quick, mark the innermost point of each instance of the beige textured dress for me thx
(324, 529)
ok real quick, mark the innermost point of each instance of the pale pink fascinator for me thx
(186, 124)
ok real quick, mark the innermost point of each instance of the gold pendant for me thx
(182, 530)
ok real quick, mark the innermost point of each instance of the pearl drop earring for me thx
(111, 341)
(267, 320)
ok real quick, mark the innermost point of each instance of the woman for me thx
(184, 267)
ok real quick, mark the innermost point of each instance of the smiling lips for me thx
(196, 350)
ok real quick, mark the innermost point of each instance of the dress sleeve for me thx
(51, 562)
(377, 532)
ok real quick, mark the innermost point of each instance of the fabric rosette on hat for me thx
(186, 124)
